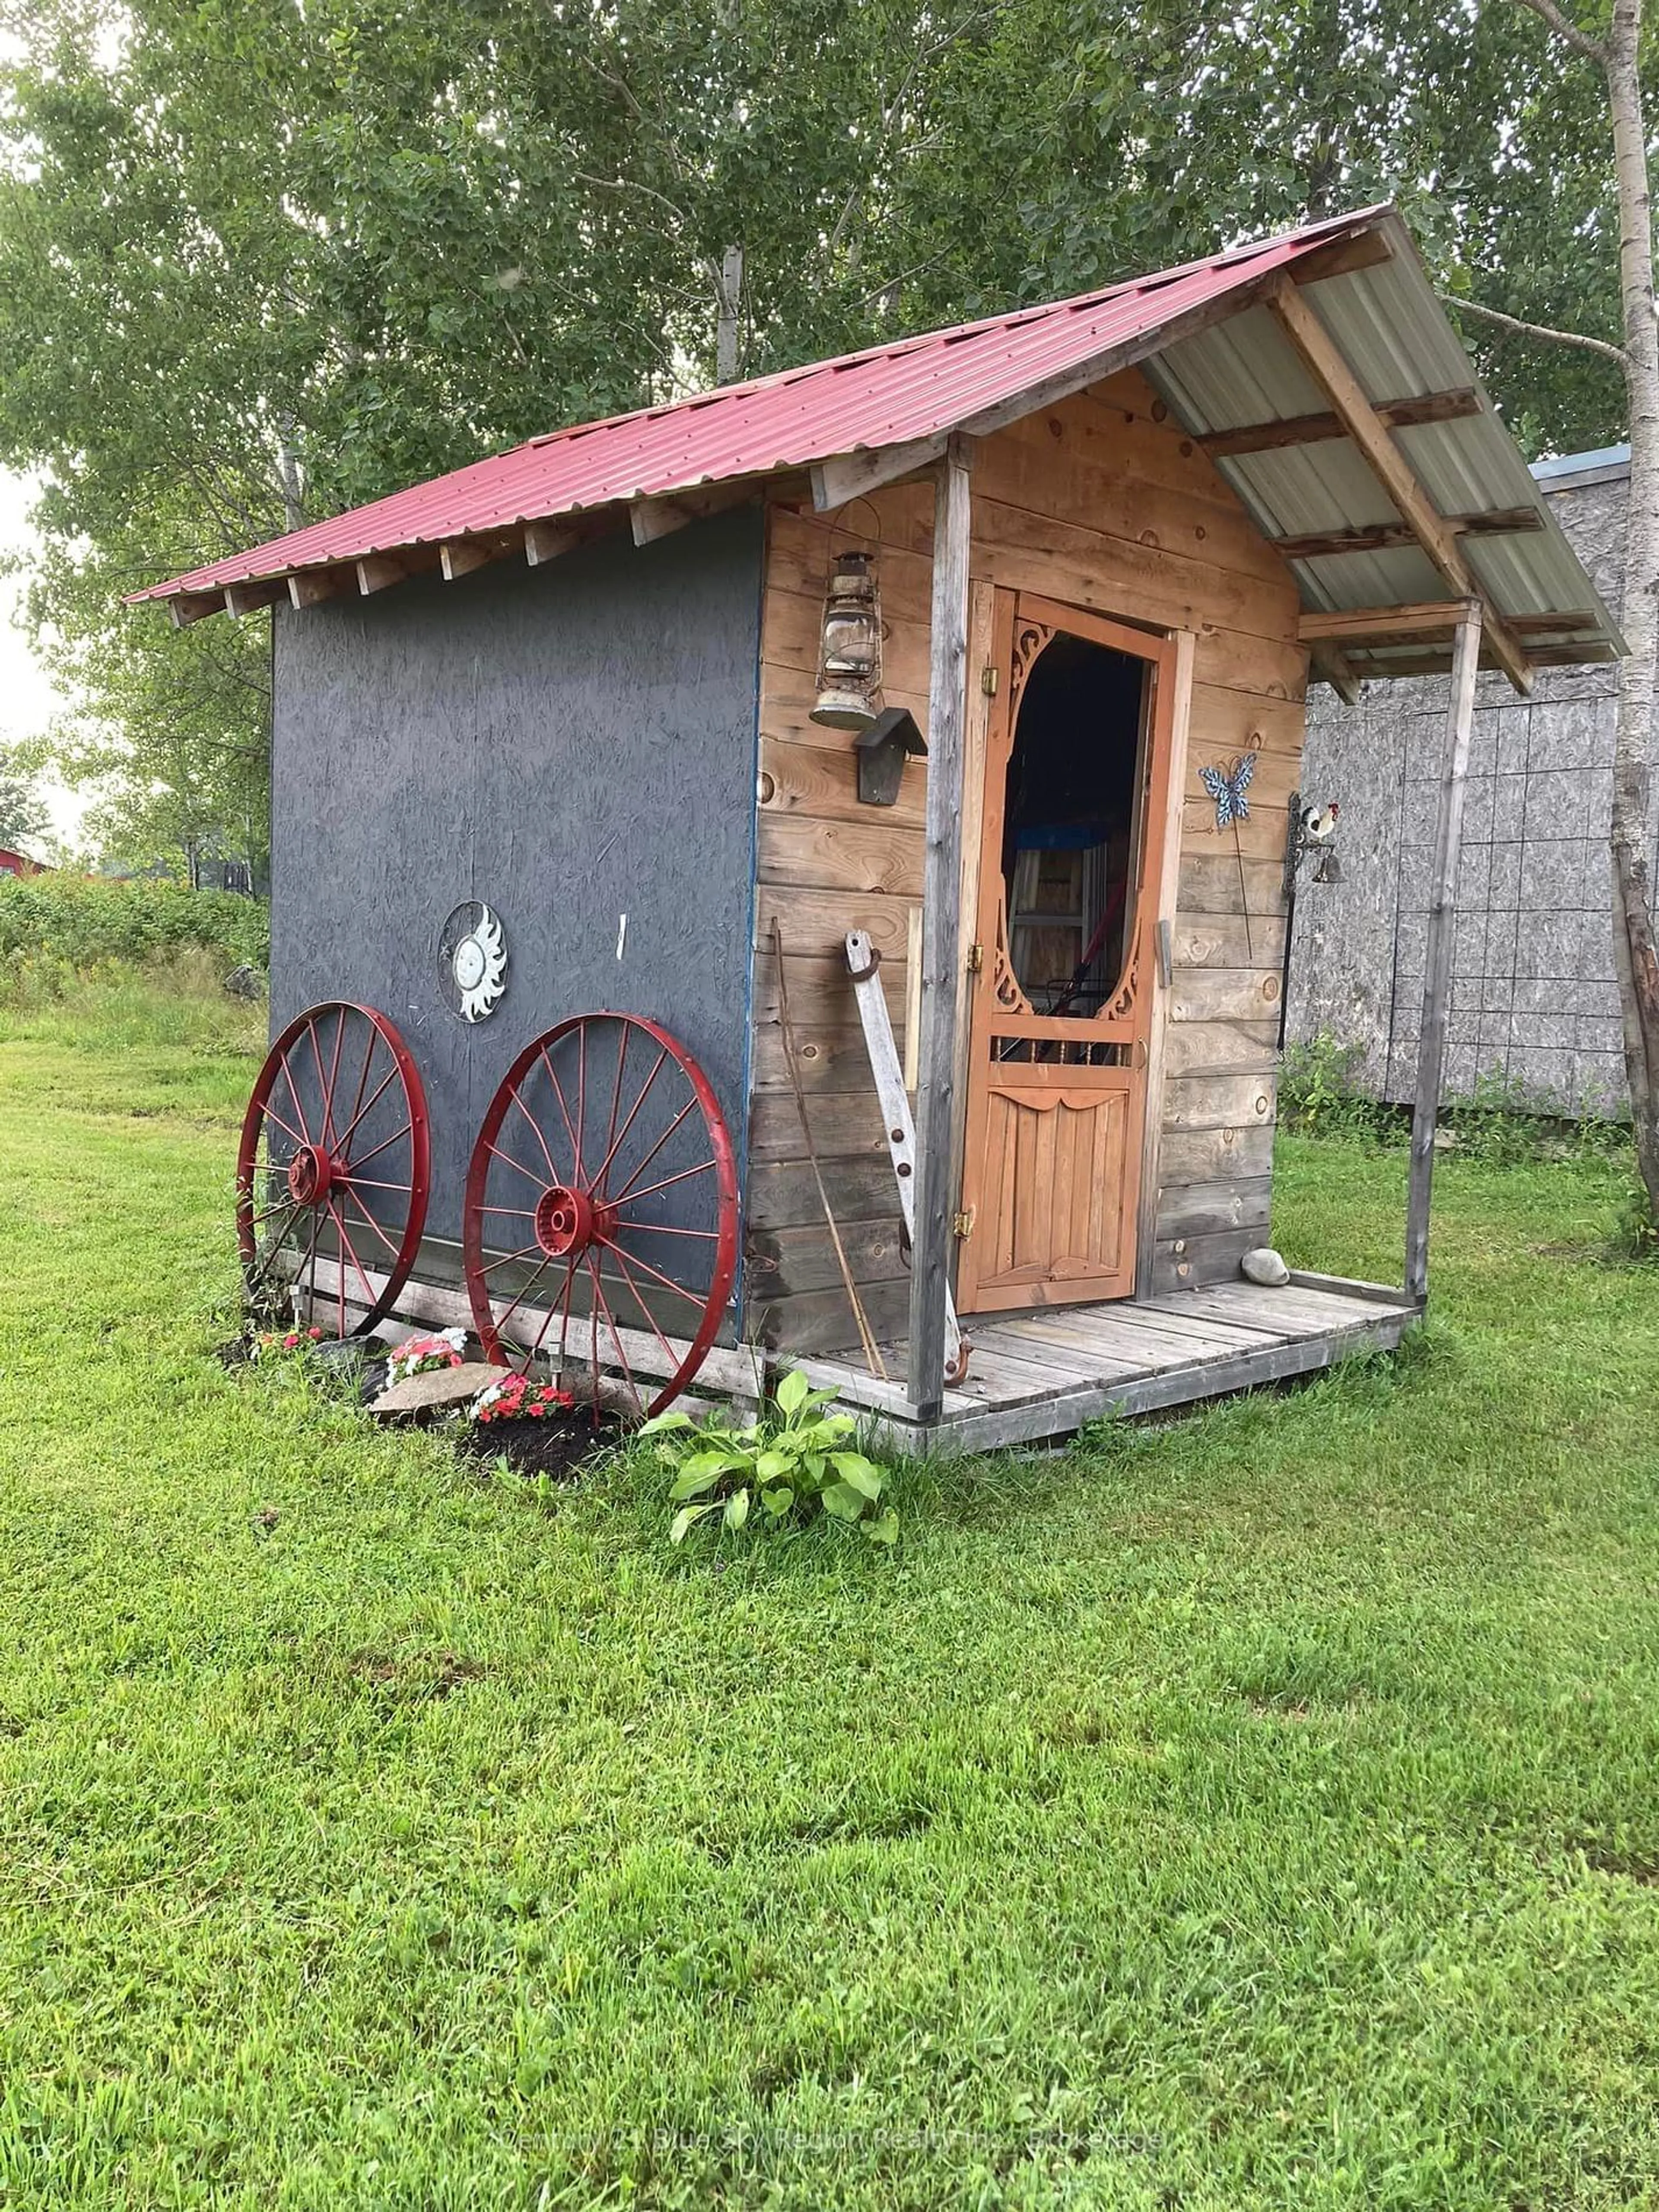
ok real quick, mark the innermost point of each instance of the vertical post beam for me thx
(1438, 962)
(941, 950)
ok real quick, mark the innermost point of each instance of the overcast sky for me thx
(27, 701)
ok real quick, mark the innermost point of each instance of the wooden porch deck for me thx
(1043, 1374)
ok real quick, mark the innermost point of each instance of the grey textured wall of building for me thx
(1534, 998)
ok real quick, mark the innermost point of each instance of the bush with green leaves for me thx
(788, 1465)
(1320, 1092)
(68, 924)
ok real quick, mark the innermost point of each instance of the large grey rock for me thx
(1265, 1266)
(436, 1390)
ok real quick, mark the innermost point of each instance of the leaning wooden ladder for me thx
(863, 963)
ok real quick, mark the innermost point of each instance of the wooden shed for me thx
(567, 788)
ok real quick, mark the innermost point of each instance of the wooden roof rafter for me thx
(1389, 537)
(1320, 429)
(1323, 361)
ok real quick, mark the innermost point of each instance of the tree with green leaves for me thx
(22, 812)
(259, 262)
(1605, 60)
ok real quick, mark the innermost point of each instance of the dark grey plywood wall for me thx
(569, 744)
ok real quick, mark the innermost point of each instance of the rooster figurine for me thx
(1318, 836)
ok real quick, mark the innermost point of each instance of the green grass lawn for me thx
(1257, 1809)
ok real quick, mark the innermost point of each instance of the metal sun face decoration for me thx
(472, 962)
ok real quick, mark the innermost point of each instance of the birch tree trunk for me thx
(1618, 57)
(1635, 956)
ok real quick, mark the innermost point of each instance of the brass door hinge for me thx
(975, 958)
(988, 680)
(961, 1225)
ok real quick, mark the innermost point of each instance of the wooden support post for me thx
(1438, 964)
(941, 950)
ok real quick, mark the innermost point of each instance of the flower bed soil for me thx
(557, 1444)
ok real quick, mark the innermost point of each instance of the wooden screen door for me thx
(1076, 808)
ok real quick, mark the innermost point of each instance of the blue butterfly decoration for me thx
(1228, 787)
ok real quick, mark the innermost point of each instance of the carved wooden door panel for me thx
(1062, 1002)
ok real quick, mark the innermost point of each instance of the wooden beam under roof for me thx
(1316, 429)
(309, 587)
(660, 515)
(847, 476)
(1357, 625)
(1389, 537)
(460, 556)
(1426, 618)
(548, 541)
(1320, 356)
(377, 572)
(186, 607)
(248, 599)
(1427, 661)
(1333, 664)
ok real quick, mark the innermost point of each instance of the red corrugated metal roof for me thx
(887, 396)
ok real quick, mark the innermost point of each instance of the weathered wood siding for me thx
(569, 744)
(1099, 502)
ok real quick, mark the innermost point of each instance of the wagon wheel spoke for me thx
(293, 1167)
(657, 1275)
(271, 1115)
(678, 1121)
(685, 1175)
(579, 1105)
(525, 1288)
(620, 1136)
(374, 1150)
(369, 1222)
(533, 1352)
(643, 1304)
(508, 1258)
(380, 1089)
(602, 1305)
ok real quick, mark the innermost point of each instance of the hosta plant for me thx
(795, 1460)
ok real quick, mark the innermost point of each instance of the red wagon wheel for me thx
(333, 1173)
(600, 1227)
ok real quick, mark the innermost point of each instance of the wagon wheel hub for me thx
(568, 1221)
(311, 1176)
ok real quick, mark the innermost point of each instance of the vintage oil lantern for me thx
(849, 653)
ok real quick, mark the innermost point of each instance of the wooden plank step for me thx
(1138, 1352)
(1210, 1308)
(1349, 1286)
(995, 1378)
(1286, 1307)
(859, 1387)
(1122, 1329)
(996, 1427)
(1030, 1344)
